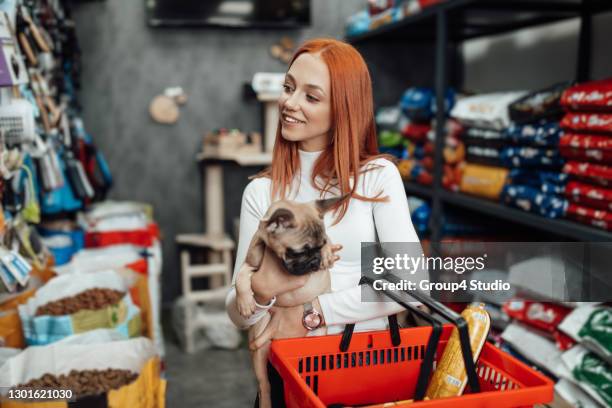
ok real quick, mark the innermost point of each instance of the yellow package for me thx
(147, 391)
(449, 378)
(11, 333)
(484, 181)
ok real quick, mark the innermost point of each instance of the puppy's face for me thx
(295, 232)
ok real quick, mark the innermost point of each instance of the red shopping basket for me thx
(373, 372)
(374, 368)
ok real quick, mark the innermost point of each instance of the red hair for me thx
(352, 131)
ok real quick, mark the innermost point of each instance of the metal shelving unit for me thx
(454, 21)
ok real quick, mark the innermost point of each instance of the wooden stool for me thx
(218, 270)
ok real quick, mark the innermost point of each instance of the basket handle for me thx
(454, 318)
(347, 335)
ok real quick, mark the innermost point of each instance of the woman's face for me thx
(305, 106)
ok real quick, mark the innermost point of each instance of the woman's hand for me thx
(272, 279)
(286, 322)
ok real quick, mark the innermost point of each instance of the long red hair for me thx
(352, 131)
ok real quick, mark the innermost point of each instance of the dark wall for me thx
(126, 63)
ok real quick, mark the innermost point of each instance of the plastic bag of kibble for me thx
(73, 304)
(116, 374)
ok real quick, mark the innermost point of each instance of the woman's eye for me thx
(287, 88)
(311, 98)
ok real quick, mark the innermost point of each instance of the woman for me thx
(326, 146)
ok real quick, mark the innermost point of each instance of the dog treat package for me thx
(449, 378)
(488, 111)
(590, 325)
(483, 181)
(592, 374)
(72, 304)
(589, 96)
(590, 216)
(588, 122)
(589, 195)
(122, 373)
(533, 200)
(589, 173)
(591, 148)
(546, 134)
(543, 104)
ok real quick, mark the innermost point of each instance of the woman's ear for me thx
(327, 204)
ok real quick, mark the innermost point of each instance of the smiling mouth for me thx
(291, 120)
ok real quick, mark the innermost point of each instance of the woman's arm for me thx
(393, 224)
(254, 201)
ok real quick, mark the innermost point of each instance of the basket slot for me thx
(361, 359)
(323, 363)
(315, 384)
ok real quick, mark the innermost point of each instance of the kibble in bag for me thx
(73, 304)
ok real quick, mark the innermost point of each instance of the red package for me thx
(589, 172)
(588, 122)
(379, 6)
(589, 195)
(416, 132)
(590, 216)
(589, 96)
(594, 148)
(543, 315)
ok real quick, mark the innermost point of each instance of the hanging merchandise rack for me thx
(453, 21)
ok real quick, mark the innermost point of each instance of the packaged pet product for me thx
(488, 111)
(588, 122)
(589, 96)
(589, 173)
(585, 215)
(484, 181)
(589, 195)
(590, 325)
(590, 148)
(543, 104)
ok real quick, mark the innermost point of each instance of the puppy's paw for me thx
(246, 306)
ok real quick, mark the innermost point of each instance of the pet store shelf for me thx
(469, 19)
(564, 228)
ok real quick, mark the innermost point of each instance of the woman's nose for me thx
(291, 103)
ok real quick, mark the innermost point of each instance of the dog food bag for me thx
(590, 216)
(588, 122)
(449, 378)
(486, 110)
(589, 96)
(589, 172)
(543, 104)
(591, 326)
(484, 181)
(589, 195)
(73, 304)
(124, 373)
(589, 372)
(592, 148)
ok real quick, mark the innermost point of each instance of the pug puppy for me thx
(295, 233)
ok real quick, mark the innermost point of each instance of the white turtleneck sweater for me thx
(363, 222)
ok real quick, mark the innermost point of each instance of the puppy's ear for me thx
(325, 205)
(280, 220)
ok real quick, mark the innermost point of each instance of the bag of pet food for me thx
(591, 326)
(483, 181)
(589, 96)
(592, 374)
(588, 122)
(101, 374)
(488, 111)
(74, 304)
